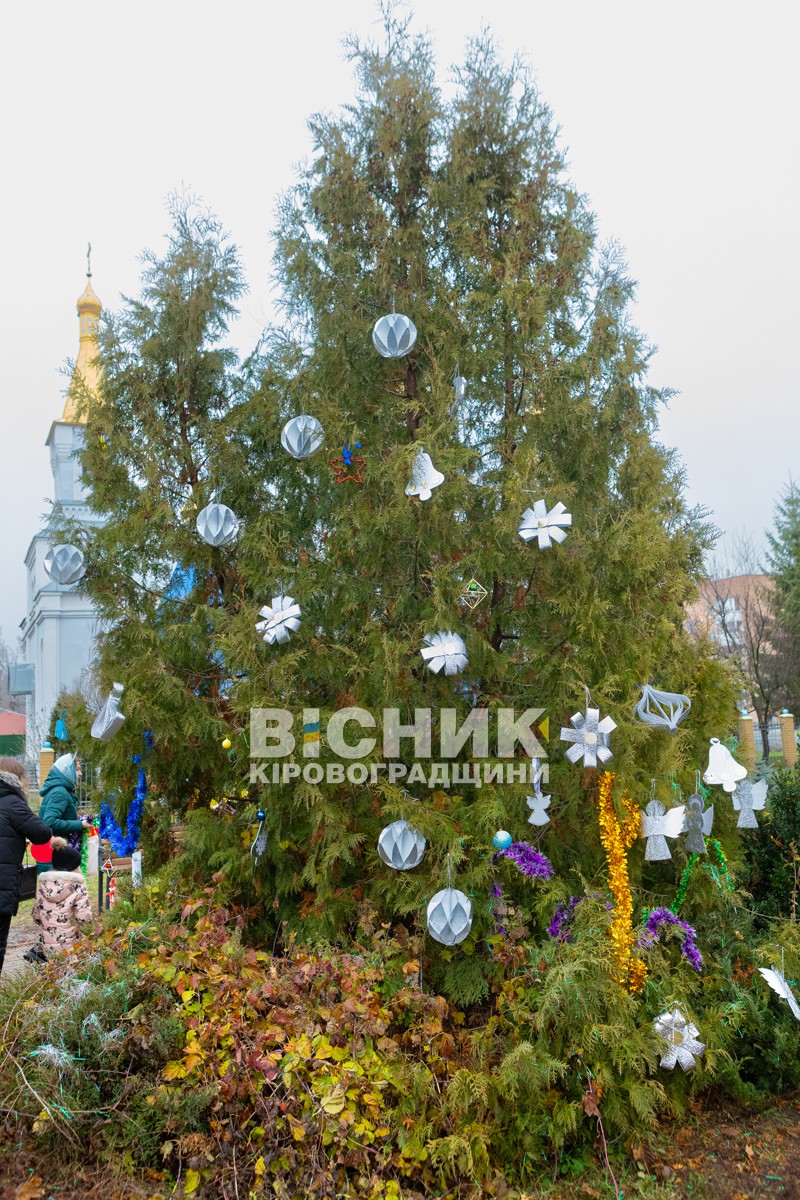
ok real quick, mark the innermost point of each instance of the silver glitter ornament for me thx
(723, 768)
(280, 620)
(260, 840)
(697, 824)
(64, 564)
(394, 335)
(109, 720)
(680, 1036)
(424, 476)
(217, 525)
(446, 650)
(590, 737)
(747, 798)
(663, 710)
(449, 916)
(659, 824)
(546, 527)
(401, 846)
(301, 436)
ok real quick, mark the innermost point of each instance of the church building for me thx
(59, 630)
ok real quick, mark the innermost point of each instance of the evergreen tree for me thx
(460, 215)
(784, 560)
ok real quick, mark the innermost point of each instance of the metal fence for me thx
(773, 730)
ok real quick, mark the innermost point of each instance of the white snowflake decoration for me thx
(681, 1041)
(280, 620)
(590, 737)
(446, 650)
(747, 798)
(547, 527)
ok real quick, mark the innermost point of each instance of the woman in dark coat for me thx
(18, 823)
(58, 807)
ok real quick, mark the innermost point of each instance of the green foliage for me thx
(773, 850)
(784, 560)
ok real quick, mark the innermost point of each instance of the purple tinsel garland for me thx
(652, 932)
(562, 919)
(529, 860)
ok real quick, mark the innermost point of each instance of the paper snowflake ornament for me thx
(301, 436)
(538, 802)
(473, 594)
(394, 335)
(424, 476)
(778, 984)
(217, 525)
(444, 650)
(747, 798)
(697, 824)
(663, 710)
(723, 768)
(680, 1037)
(449, 916)
(657, 825)
(546, 527)
(64, 564)
(590, 737)
(281, 619)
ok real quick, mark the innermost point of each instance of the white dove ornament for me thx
(723, 769)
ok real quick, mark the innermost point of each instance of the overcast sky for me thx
(681, 121)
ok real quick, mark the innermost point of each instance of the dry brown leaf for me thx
(31, 1189)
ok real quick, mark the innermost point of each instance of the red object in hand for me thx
(42, 854)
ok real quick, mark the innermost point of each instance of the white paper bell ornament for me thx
(723, 768)
(401, 846)
(449, 916)
(217, 525)
(301, 436)
(64, 564)
(109, 720)
(394, 335)
(424, 476)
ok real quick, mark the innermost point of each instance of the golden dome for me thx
(85, 377)
(87, 301)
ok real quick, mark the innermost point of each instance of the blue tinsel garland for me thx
(124, 844)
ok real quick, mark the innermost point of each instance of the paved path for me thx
(22, 936)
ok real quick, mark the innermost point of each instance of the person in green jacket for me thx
(58, 802)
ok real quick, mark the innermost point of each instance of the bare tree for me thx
(8, 658)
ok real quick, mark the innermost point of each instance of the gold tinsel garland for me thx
(616, 839)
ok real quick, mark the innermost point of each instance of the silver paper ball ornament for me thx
(401, 846)
(449, 916)
(217, 525)
(64, 564)
(394, 335)
(301, 436)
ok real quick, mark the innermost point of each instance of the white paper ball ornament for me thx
(301, 436)
(217, 525)
(401, 846)
(449, 916)
(394, 335)
(64, 564)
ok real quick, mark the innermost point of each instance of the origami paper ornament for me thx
(502, 839)
(723, 768)
(680, 1036)
(747, 797)
(424, 476)
(657, 826)
(217, 525)
(446, 650)
(663, 710)
(280, 620)
(109, 720)
(546, 527)
(537, 803)
(260, 840)
(449, 916)
(697, 824)
(394, 335)
(64, 564)
(401, 846)
(777, 982)
(301, 436)
(590, 736)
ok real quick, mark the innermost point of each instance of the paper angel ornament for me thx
(778, 984)
(538, 802)
(664, 710)
(659, 824)
(280, 620)
(424, 476)
(446, 650)
(546, 527)
(697, 824)
(747, 797)
(590, 737)
(680, 1036)
(109, 720)
(723, 768)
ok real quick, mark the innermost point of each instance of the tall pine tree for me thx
(784, 561)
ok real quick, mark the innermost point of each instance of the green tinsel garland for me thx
(84, 852)
(722, 863)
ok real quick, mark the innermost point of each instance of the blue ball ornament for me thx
(502, 839)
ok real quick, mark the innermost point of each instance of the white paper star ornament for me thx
(680, 1037)
(590, 737)
(546, 527)
(444, 650)
(280, 620)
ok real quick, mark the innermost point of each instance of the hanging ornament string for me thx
(616, 839)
